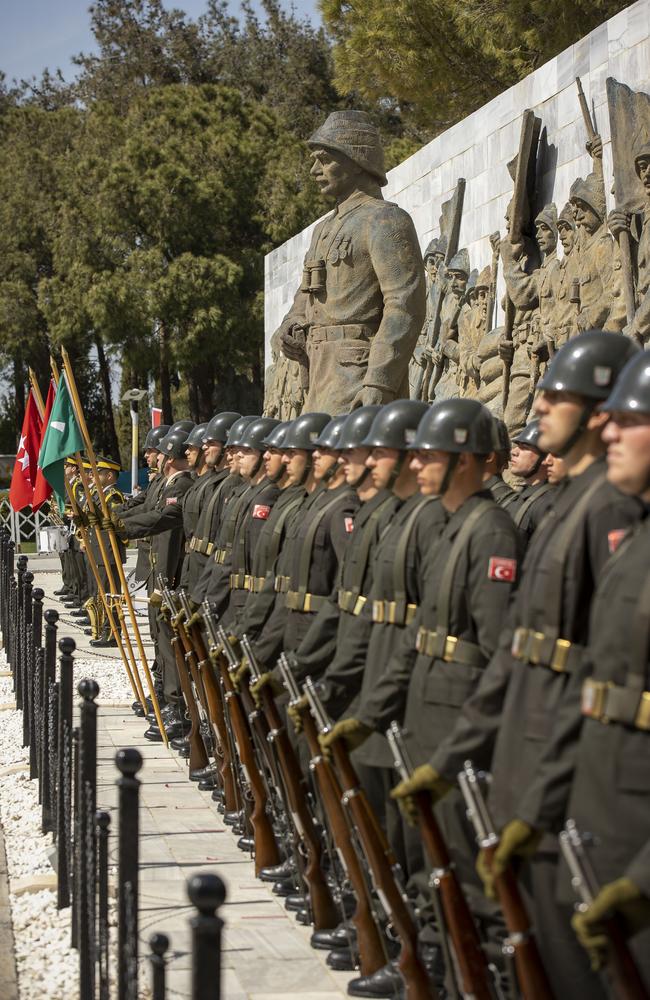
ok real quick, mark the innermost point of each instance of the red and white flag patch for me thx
(614, 539)
(500, 568)
(171, 500)
(262, 511)
(349, 524)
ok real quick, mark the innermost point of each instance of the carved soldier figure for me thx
(447, 354)
(468, 337)
(283, 393)
(638, 226)
(356, 317)
(548, 277)
(565, 304)
(435, 272)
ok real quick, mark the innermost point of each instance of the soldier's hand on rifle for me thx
(107, 523)
(80, 519)
(93, 519)
(196, 618)
(294, 710)
(595, 147)
(423, 779)
(495, 242)
(619, 222)
(621, 897)
(518, 839)
(267, 679)
(293, 343)
(506, 351)
(239, 675)
(352, 732)
(369, 395)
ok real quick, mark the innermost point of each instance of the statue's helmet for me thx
(460, 262)
(484, 279)
(548, 217)
(567, 216)
(353, 133)
(433, 248)
(589, 190)
(642, 154)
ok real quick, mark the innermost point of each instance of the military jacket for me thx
(132, 508)
(114, 498)
(262, 594)
(595, 260)
(339, 630)
(564, 312)
(397, 570)
(202, 542)
(163, 523)
(213, 581)
(363, 325)
(506, 724)
(501, 493)
(530, 507)
(548, 281)
(252, 517)
(642, 317)
(466, 587)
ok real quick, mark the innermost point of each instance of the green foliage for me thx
(439, 60)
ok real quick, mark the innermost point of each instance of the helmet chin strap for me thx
(535, 469)
(361, 479)
(308, 467)
(330, 473)
(258, 465)
(581, 427)
(394, 476)
(449, 471)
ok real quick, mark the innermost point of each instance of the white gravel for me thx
(47, 967)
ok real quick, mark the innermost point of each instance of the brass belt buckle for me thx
(534, 651)
(449, 650)
(560, 655)
(642, 720)
(519, 639)
(592, 700)
(378, 611)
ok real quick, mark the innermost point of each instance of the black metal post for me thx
(86, 862)
(48, 708)
(26, 656)
(207, 892)
(75, 842)
(128, 762)
(4, 583)
(35, 686)
(159, 943)
(103, 823)
(16, 666)
(10, 644)
(67, 647)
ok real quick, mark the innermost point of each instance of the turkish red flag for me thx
(156, 416)
(43, 489)
(21, 490)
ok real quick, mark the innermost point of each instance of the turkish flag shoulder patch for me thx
(262, 511)
(500, 568)
(349, 524)
(171, 500)
(614, 539)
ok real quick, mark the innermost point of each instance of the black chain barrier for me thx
(63, 762)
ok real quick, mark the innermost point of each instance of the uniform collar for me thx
(354, 201)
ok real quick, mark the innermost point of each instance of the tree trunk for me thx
(19, 391)
(110, 433)
(163, 376)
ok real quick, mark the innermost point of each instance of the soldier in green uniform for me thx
(527, 462)
(505, 725)
(497, 461)
(107, 473)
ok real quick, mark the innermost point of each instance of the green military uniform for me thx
(213, 583)
(530, 507)
(253, 515)
(203, 541)
(501, 493)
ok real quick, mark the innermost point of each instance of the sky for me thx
(35, 34)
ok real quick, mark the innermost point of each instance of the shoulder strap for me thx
(530, 502)
(278, 527)
(362, 551)
(560, 545)
(399, 566)
(205, 520)
(457, 548)
(308, 544)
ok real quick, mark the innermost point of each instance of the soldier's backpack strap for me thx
(362, 551)
(399, 603)
(308, 545)
(530, 502)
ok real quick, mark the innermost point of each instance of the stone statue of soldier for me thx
(565, 304)
(639, 228)
(360, 307)
(435, 273)
(548, 277)
(468, 326)
(447, 355)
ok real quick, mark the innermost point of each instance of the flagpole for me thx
(131, 670)
(81, 420)
(36, 389)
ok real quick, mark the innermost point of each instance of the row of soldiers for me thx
(357, 621)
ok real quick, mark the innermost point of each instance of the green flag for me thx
(62, 438)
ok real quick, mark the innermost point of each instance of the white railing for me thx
(24, 525)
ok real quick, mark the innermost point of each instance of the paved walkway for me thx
(266, 953)
(8, 985)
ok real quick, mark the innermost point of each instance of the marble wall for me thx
(479, 147)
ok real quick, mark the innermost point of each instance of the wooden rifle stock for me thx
(198, 756)
(622, 972)
(372, 955)
(323, 907)
(382, 862)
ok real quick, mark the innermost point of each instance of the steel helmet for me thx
(256, 432)
(529, 436)
(356, 427)
(456, 425)
(631, 394)
(196, 436)
(275, 437)
(182, 425)
(236, 431)
(174, 444)
(304, 430)
(589, 364)
(330, 434)
(219, 425)
(155, 436)
(395, 424)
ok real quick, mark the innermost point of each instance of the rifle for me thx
(323, 908)
(621, 971)
(221, 653)
(468, 953)
(381, 860)
(198, 755)
(532, 976)
(372, 954)
(495, 240)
